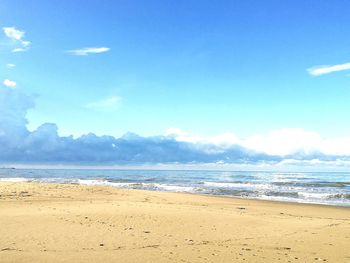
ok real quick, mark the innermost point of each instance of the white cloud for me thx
(321, 70)
(13, 33)
(223, 140)
(26, 43)
(313, 163)
(10, 65)
(18, 49)
(107, 104)
(88, 50)
(283, 142)
(280, 142)
(17, 36)
(9, 83)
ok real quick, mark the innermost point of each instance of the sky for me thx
(268, 76)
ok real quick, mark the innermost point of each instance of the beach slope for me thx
(74, 223)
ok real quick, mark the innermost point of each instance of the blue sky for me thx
(204, 67)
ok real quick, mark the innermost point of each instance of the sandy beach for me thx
(74, 223)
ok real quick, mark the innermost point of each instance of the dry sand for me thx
(72, 223)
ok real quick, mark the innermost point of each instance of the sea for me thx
(329, 188)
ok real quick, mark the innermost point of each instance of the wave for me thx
(176, 188)
(310, 195)
(308, 188)
(319, 184)
(237, 185)
(137, 185)
(101, 182)
(14, 179)
(340, 196)
(282, 194)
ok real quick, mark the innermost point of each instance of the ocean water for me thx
(311, 187)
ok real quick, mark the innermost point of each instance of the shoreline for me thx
(280, 202)
(226, 198)
(257, 199)
(30, 180)
(48, 222)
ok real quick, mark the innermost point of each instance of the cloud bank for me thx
(45, 146)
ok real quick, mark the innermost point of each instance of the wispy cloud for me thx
(88, 50)
(17, 36)
(10, 65)
(107, 104)
(26, 43)
(18, 49)
(326, 69)
(9, 83)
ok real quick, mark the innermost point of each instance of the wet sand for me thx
(74, 223)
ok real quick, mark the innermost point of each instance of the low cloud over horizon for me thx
(45, 146)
